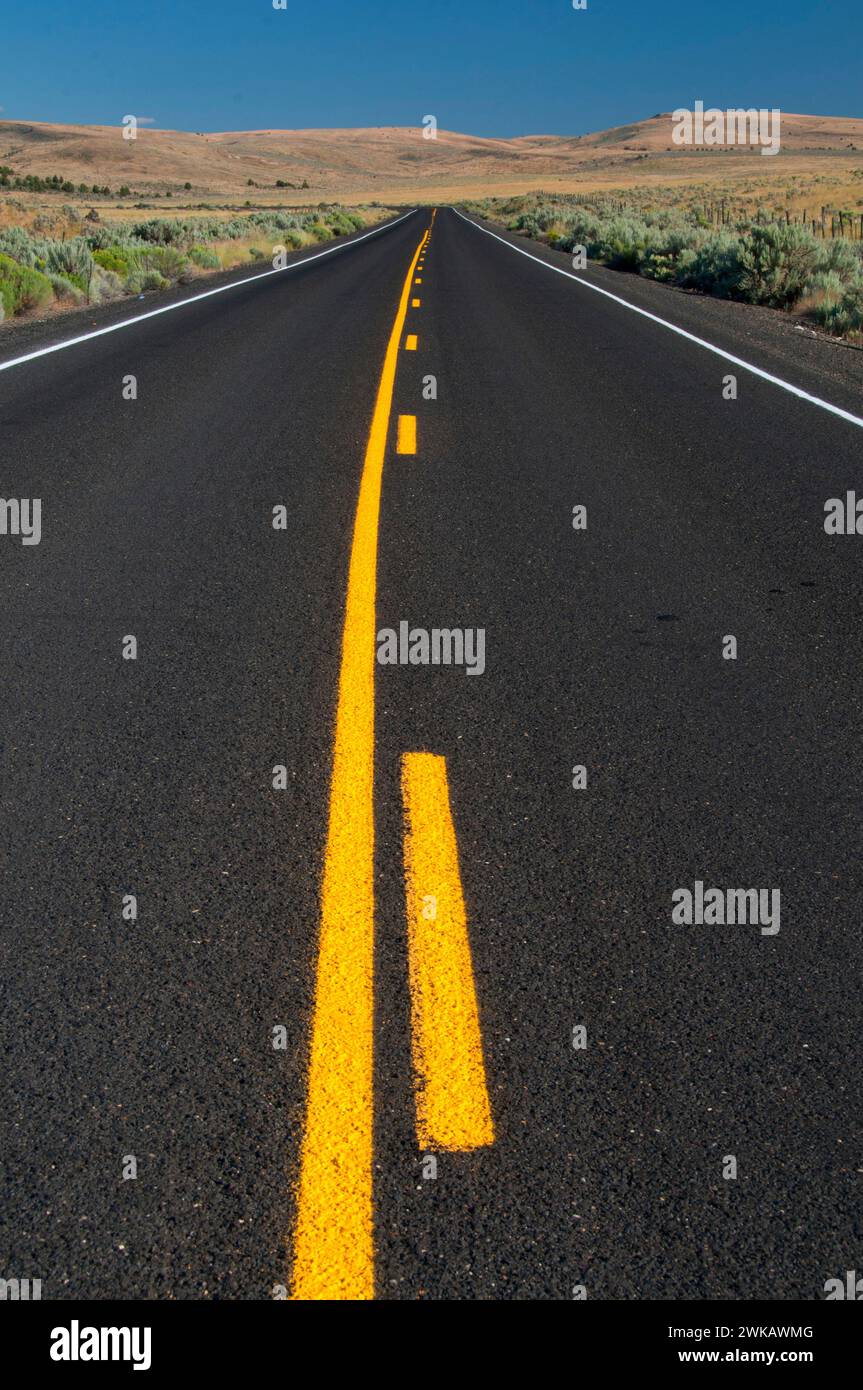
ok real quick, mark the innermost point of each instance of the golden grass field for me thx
(820, 164)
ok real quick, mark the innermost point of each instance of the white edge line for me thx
(195, 298)
(720, 352)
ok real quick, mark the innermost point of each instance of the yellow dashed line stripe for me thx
(452, 1104)
(411, 343)
(407, 437)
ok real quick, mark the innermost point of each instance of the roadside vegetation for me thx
(69, 259)
(758, 260)
(56, 183)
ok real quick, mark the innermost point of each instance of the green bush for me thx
(845, 257)
(161, 231)
(167, 261)
(71, 258)
(142, 280)
(100, 238)
(105, 285)
(827, 285)
(714, 267)
(775, 263)
(15, 242)
(203, 257)
(22, 288)
(623, 243)
(66, 290)
(842, 315)
(345, 223)
(669, 253)
(112, 259)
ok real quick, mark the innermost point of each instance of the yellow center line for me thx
(415, 303)
(334, 1242)
(411, 344)
(452, 1104)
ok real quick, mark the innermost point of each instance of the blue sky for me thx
(487, 67)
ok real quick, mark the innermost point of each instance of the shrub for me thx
(160, 231)
(344, 223)
(114, 260)
(776, 261)
(845, 257)
(657, 264)
(669, 252)
(622, 244)
(99, 238)
(142, 280)
(66, 290)
(825, 286)
(844, 315)
(527, 223)
(167, 261)
(714, 267)
(22, 288)
(15, 242)
(105, 285)
(71, 258)
(203, 257)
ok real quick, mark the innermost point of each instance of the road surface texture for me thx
(181, 1039)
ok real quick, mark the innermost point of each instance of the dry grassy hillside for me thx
(821, 157)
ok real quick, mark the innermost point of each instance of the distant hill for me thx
(393, 163)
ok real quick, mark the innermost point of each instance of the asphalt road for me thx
(604, 648)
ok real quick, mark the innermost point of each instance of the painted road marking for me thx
(418, 280)
(415, 303)
(407, 439)
(194, 298)
(333, 1246)
(411, 344)
(665, 323)
(452, 1104)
